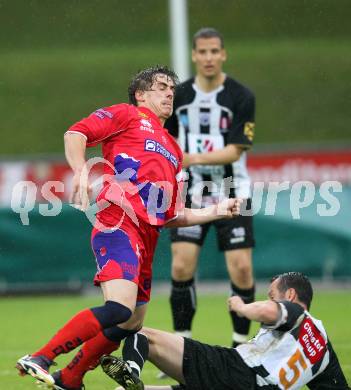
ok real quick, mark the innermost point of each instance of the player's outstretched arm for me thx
(266, 312)
(75, 146)
(228, 208)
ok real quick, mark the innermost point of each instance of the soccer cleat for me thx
(117, 369)
(37, 367)
(58, 385)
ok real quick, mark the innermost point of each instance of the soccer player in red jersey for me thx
(140, 195)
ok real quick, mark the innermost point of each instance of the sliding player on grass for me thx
(291, 349)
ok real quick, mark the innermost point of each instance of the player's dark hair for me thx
(207, 32)
(299, 282)
(144, 79)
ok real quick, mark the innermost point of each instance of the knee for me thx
(244, 270)
(150, 334)
(117, 334)
(244, 277)
(118, 312)
(182, 269)
(134, 324)
(179, 271)
(111, 314)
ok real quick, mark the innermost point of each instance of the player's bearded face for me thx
(274, 293)
(160, 97)
(208, 56)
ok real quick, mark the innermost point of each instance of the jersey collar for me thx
(210, 93)
(149, 113)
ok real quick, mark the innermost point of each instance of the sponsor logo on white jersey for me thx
(204, 143)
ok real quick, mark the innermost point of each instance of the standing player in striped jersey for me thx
(213, 120)
(291, 349)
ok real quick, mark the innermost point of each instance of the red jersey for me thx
(142, 166)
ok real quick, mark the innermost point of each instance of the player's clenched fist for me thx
(235, 303)
(230, 208)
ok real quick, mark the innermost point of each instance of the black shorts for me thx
(235, 233)
(215, 368)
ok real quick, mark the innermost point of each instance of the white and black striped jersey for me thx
(292, 353)
(204, 122)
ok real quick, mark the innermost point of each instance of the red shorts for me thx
(126, 253)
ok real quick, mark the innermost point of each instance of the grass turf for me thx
(27, 322)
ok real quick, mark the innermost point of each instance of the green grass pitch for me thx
(26, 323)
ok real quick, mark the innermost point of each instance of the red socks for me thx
(83, 326)
(87, 359)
